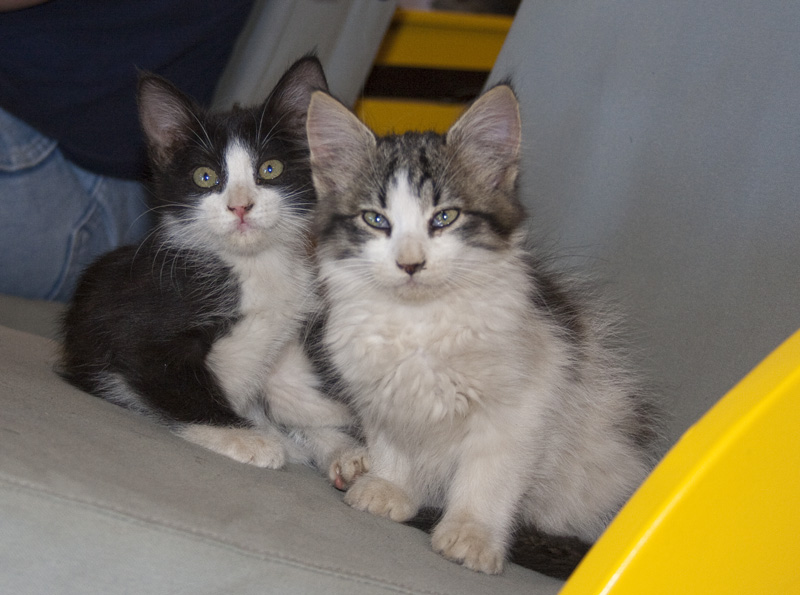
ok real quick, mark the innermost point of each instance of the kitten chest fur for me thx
(444, 365)
(274, 299)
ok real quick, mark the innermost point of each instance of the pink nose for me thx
(240, 210)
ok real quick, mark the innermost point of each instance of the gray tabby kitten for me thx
(485, 388)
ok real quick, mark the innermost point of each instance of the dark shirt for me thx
(69, 68)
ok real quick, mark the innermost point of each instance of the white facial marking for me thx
(241, 189)
(241, 219)
(409, 226)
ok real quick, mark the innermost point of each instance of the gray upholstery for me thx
(94, 499)
(662, 149)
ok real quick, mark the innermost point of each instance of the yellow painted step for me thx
(447, 40)
(385, 116)
(437, 40)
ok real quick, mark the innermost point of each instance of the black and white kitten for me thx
(201, 325)
(485, 388)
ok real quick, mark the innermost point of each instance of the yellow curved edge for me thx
(721, 512)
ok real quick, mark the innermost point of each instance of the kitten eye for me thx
(270, 169)
(205, 177)
(376, 220)
(444, 218)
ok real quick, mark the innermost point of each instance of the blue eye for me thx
(444, 218)
(376, 220)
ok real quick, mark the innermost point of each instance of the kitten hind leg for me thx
(292, 390)
(262, 447)
(323, 447)
(319, 425)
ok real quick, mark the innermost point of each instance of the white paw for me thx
(240, 444)
(381, 498)
(348, 466)
(261, 451)
(468, 543)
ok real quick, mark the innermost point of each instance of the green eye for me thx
(444, 218)
(270, 169)
(376, 220)
(205, 177)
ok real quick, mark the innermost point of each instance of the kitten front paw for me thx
(468, 543)
(240, 444)
(381, 498)
(261, 451)
(348, 466)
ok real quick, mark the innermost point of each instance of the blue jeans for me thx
(55, 218)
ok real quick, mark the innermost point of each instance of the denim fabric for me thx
(55, 218)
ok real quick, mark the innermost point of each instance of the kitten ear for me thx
(292, 94)
(165, 113)
(487, 138)
(339, 143)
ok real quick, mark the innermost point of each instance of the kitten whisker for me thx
(205, 141)
(268, 137)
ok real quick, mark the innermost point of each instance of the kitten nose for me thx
(239, 211)
(412, 268)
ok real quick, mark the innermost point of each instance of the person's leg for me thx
(116, 214)
(55, 218)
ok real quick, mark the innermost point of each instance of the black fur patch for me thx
(548, 295)
(150, 316)
(351, 234)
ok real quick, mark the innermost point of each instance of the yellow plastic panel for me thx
(399, 115)
(721, 513)
(458, 41)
